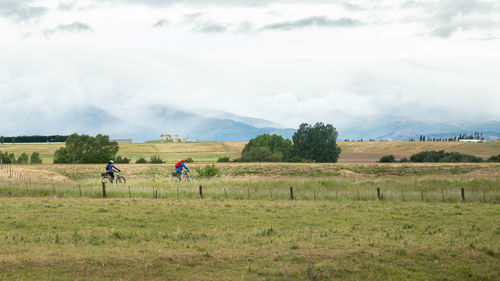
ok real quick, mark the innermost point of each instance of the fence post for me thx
(291, 193)
(201, 192)
(402, 196)
(103, 190)
(315, 195)
(442, 194)
(378, 193)
(80, 189)
(248, 191)
(422, 194)
(225, 193)
(484, 197)
(129, 193)
(270, 194)
(462, 191)
(336, 195)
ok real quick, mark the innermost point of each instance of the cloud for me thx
(20, 11)
(209, 27)
(161, 23)
(448, 17)
(72, 27)
(312, 21)
(158, 3)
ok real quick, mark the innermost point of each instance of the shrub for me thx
(188, 160)
(209, 171)
(387, 159)
(442, 156)
(141, 161)
(494, 158)
(35, 158)
(156, 160)
(261, 154)
(121, 160)
(23, 158)
(223, 159)
(267, 148)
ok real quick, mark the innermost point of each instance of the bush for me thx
(387, 159)
(494, 158)
(121, 160)
(223, 159)
(156, 160)
(261, 154)
(35, 158)
(188, 160)
(141, 161)
(209, 171)
(442, 156)
(23, 158)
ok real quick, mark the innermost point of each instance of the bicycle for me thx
(186, 177)
(118, 179)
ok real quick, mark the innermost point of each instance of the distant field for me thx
(352, 152)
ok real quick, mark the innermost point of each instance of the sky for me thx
(294, 61)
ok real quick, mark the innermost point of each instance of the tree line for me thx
(33, 139)
(474, 136)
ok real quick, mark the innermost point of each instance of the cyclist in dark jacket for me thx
(110, 169)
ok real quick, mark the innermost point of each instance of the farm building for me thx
(171, 138)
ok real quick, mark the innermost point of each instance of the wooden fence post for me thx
(201, 192)
(378, 193)
(80, 189)
(291, 193)
(225, 192)
(462, 192)
(336, 195)
(248, 191)
(103, 190)
(442, 194)
(129, 193)
(315, 195)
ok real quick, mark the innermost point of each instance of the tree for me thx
(267, 148)
(35, 158)
(86, 149)
(317, 143)
(23, 158)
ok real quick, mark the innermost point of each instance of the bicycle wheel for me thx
(175, 179)
(105, 179)
(188, 178)
(120, 180)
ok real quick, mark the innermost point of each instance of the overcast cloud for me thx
(286, 61)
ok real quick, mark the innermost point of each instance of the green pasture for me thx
(53, 238)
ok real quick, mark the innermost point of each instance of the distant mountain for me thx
(411, 129)
(149, 123)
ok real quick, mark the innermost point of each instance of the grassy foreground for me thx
(144, 239)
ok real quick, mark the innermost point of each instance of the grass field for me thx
(143, 239)
(54, 224)
(352, 152)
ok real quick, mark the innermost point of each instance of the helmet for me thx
(111, 161)
(182, 160)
